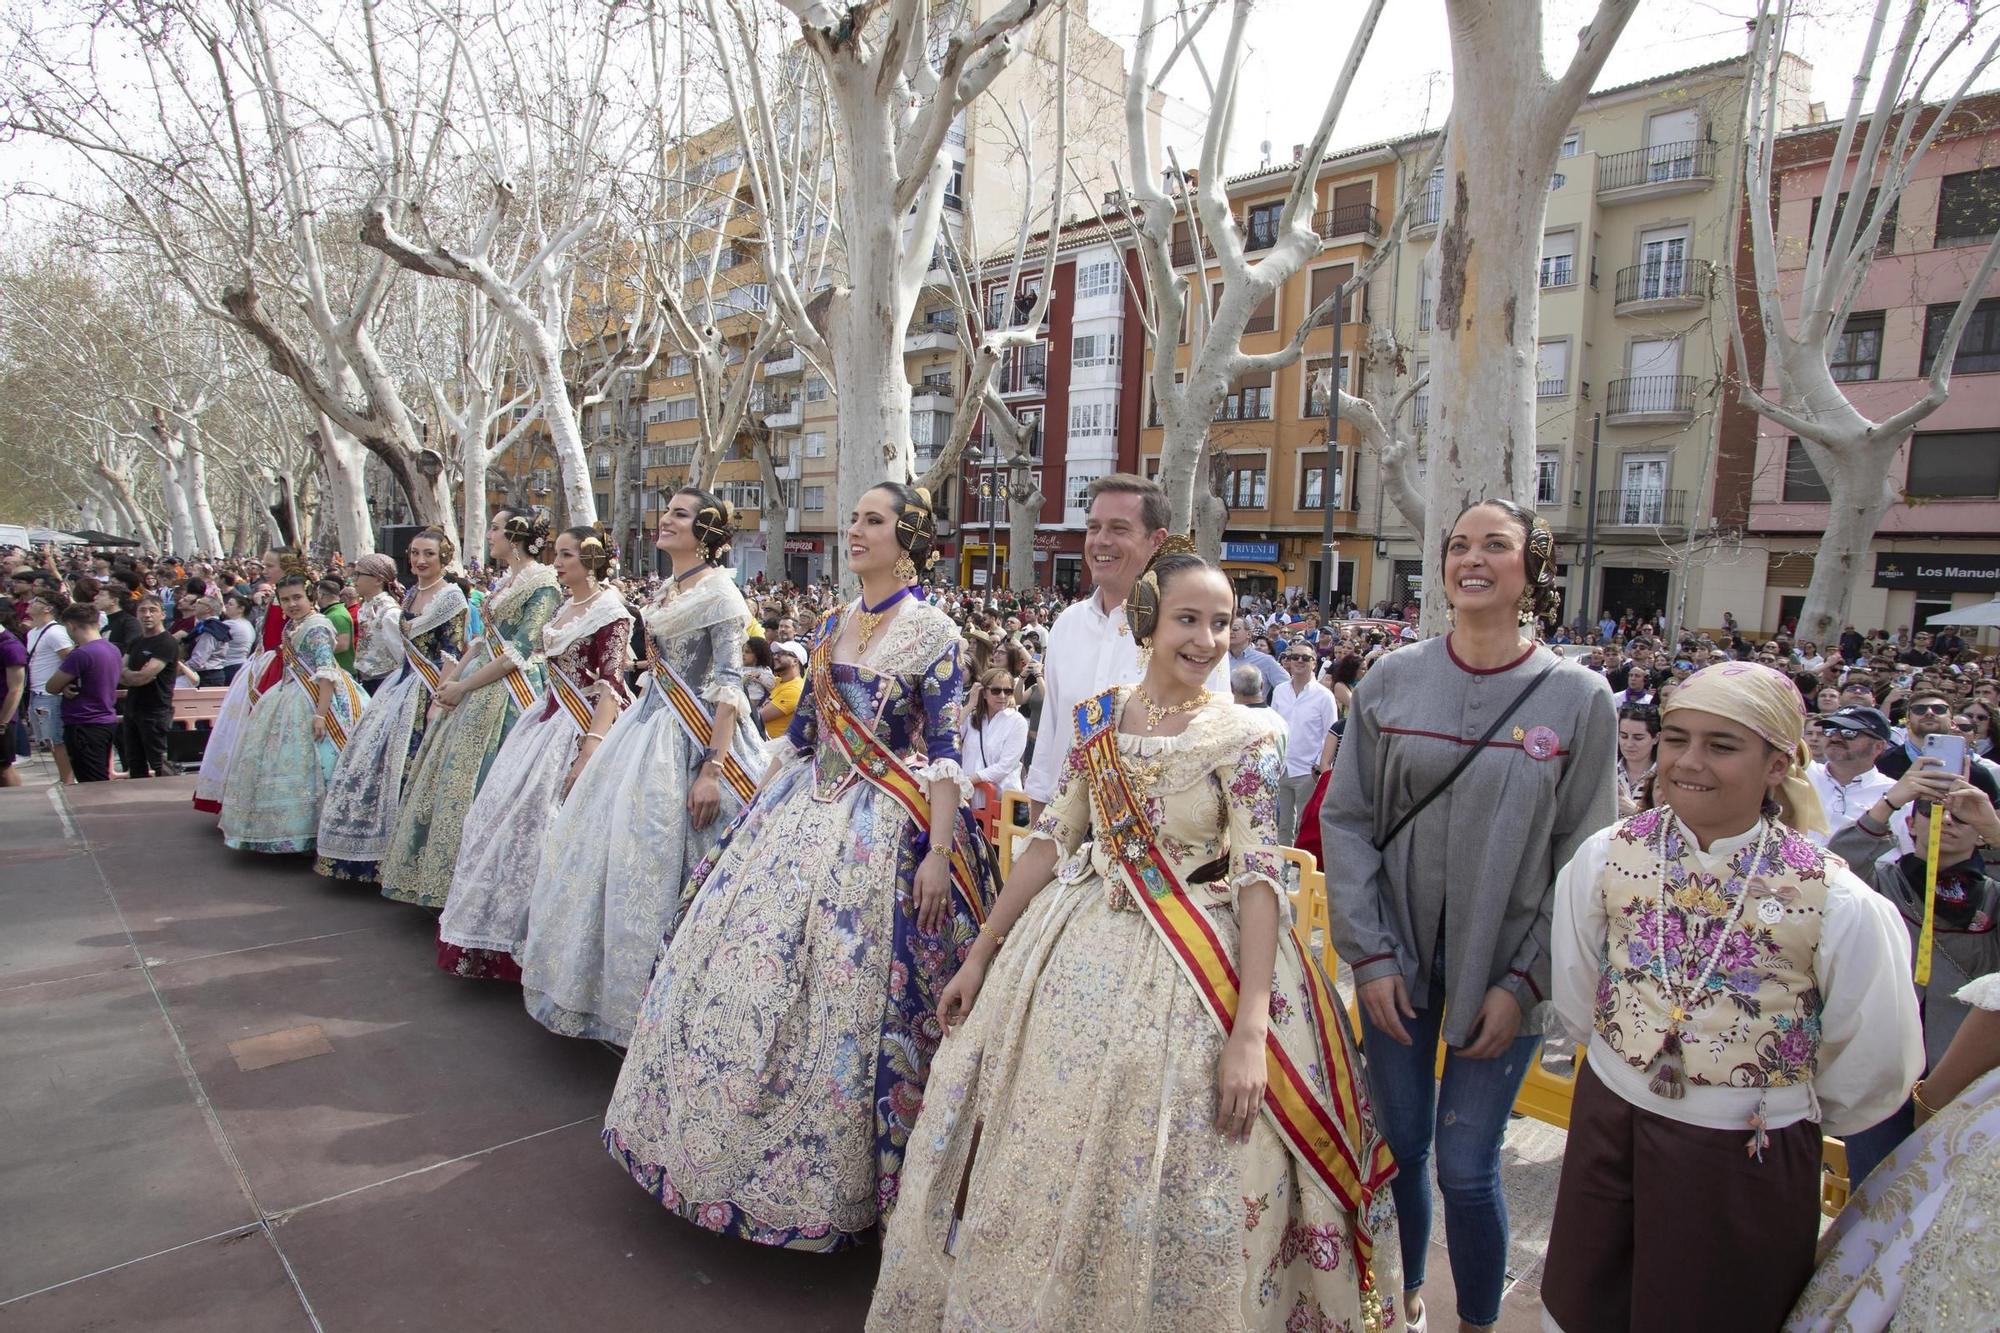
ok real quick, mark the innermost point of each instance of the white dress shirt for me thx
(46, 646)
(1845, 802)
(1309, 714)
(1090, 650)
(1871, 1046)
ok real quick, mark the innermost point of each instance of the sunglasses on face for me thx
(999, 689)
(1929, 710)
(1298, 657)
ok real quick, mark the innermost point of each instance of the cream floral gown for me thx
(1100, 1195)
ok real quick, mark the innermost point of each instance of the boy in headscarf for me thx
(1740, 991)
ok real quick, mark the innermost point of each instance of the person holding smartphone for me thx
(1965, 920)
(1930, 715)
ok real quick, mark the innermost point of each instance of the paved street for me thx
(241, 1097)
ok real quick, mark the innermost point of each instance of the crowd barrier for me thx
(1545, 1095)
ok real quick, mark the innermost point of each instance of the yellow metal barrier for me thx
(1014, 811)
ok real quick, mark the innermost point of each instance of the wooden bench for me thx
(195, 711)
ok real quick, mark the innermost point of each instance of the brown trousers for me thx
(1662, 1226)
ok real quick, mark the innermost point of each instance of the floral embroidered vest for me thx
(1755, 1022)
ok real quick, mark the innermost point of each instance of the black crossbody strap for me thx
(1470, 754)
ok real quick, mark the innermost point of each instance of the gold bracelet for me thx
(1924, 1109)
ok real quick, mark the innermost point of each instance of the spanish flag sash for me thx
(570, 698)
(880, 766)
(1324, 1130)
(429, 672)
(296, 667)
(688, 707)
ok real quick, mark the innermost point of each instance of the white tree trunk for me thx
(194, 486)
(1507, 123)
(344, 460)
(180, 528)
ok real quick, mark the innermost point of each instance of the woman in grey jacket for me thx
(1444, 917)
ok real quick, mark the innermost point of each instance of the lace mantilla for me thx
(516, 588)
(712, 599)
(445, 603)
(917, 637)
(607, 609)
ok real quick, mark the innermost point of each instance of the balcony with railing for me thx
(1420, 409)
(1663, 168)
(784, 361)
(1644, 399)
(1348, 220)
(1430, 207)
(1424, 307)
(936, 332)
(930, 396)
(1642, 507)
(1025, 373)
(1558, 271)
(1676, 284)
(782, 413)
(1556, 386)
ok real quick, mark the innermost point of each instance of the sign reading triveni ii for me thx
(1938, 571)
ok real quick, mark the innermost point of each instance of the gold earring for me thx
(1145, 657)
(906, 568)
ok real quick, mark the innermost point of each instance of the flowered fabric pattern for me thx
(784, 1044)
(378, 634)
(1915, 1243)
(1756, 1021)
(1100, 1195)
(366, 789)
(619, 854)
(456, 753)
(501, 854)
(271, 801)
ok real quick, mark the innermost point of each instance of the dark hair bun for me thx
(1142, 604)
(591, 550)
(916, 523)
(529, 528)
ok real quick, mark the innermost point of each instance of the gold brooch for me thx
(1519, 734)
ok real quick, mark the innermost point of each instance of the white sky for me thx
(1296, 48)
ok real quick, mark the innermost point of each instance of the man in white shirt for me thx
(1847, 781)
(1090, 645)
(1309, 713)
(48, 644)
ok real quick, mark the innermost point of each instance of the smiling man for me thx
(1090, 645)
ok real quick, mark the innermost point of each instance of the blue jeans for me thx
(1463, 1123)
(1867, 1149)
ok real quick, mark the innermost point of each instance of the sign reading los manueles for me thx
(1938, 571)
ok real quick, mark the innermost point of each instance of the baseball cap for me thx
(1860, 721)
(797, 652)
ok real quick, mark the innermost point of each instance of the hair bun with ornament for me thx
(1142, 604)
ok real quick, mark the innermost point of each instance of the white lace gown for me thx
(366, 789)
(620, 850)
(226, 732)
(1914, 1247)
(511, 816)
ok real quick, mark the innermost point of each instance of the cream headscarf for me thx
(1766, 701)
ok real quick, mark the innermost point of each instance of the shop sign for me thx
(801, 546)
(1257, 552)
(1938, 571)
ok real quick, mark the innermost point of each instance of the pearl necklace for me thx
(1157, 713)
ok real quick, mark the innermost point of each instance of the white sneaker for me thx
(1421, 1323)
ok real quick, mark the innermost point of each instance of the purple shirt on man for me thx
(96, 666)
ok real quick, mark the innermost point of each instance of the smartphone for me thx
(1950, 750)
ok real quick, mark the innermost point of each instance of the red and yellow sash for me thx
(571, 698)
(701, 726)
(516, 680)
(297, 667)
(429, 672)
(1325, 1132)
(880, 766)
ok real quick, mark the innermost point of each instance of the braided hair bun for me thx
(1540, 601)
(590, 549)
(715, 521)
(1142, 604)
(916, 523)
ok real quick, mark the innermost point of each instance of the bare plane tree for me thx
(1880, 140)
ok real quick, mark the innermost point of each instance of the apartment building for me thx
(1939, 546)
(1633, 343)
(1077, 389)
(1280, 476)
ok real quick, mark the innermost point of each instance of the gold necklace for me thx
(1156, 713)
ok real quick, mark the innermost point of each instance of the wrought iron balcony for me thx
(1348, 220)
(1642, 507)
(1665, 285)
(1662, 168)
(1663, 398)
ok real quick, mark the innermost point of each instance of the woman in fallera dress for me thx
(473, 710)
(366, 790)
(1115, 1135)
(378, 639)
(783, 1045)
(258, 674)
(659, 791)
(271, 801)
(585, 649)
